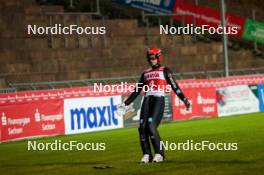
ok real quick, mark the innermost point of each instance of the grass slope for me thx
(123, 152)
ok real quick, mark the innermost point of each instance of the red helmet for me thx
(154, 52)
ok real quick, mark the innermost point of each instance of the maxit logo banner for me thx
(91, 114)
(153, 6)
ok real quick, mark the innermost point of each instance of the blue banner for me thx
(153, 6)
(261, 96)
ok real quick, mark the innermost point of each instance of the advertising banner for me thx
(41, 112)
(30, 96)
(153, 6)
(199, 15)
(254, 31)
(91, 114)
(133, 112)
(261, 97)
(222, 82)
(203, 104)
(1, 130)
(39, 118)
(236, 100)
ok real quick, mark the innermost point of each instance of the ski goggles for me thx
(151, 57)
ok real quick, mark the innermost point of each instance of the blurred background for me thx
(27, 60)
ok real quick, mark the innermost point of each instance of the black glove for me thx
(187, 104)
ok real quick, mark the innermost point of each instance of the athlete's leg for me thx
(154, 119)
(143, 129)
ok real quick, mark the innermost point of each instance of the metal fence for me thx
(129, 79)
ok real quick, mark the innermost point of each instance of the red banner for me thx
(203, 104)
(37, 113)
(38, 118)
(222, 82)
(199, 15)
(76, 92)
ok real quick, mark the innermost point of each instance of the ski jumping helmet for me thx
(154, 52)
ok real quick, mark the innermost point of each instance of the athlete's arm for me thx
(175, 87)
(136, 92)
